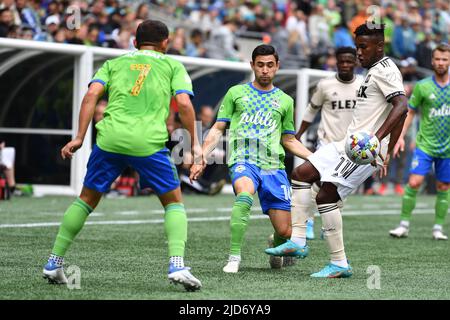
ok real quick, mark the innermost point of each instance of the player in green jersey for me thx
(431, 97)
(261, 118)
(133, 133)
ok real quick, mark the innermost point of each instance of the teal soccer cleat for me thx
(289, 249)
(334, 271)
(310, 230)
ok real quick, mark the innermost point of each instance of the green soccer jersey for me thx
(140, 85)
(257, 121)
(433, 102)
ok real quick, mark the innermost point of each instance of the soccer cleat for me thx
(399, 232)
(54, 274)
(438, 235)
(232, 265)
(310, 230)
(184, 277)
(333, 271)
(289, 248)
(274, 262)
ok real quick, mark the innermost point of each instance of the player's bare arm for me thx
(303, 127)
(291, 144)
(400, 145)
(211, 141)
(95, 92)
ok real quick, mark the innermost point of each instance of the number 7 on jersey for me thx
(144, 70)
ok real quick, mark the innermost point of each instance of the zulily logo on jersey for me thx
(441, 112)
(259, 119)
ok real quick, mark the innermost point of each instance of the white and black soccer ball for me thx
(362, 147)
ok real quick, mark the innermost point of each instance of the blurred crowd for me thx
(304, 32)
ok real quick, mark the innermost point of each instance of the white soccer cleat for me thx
(232, 265)
(54, 274)
(274, 261)
(399, 232)
(438, 235)
(184, 277)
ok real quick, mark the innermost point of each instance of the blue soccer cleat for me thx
(334, 271)
(310, 230)
(53, 273)
(184, 277)
(289, 249)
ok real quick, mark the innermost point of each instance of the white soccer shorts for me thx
(337, 168)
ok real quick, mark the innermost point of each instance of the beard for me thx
(440, 71)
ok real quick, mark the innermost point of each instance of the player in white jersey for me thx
(381, 108)
(335, 98)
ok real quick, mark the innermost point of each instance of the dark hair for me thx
(342, 50)
(264, 50)
(196, 33)
(369, 28)
(443, 47)
(151, 32)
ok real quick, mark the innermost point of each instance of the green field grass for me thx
(122, 254)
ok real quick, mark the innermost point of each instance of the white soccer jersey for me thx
(336, 99)
(382, 82)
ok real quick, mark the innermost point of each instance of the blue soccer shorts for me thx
(273, 187)
(156, 171)
(421, 164)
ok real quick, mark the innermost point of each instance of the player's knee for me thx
(442, 186)
(305, 173)
(324, 197)
(414, 183)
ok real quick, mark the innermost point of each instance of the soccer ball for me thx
(362, 147)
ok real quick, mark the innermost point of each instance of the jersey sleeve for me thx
(318, 97)
(416, 98)
(390, 82)
(315, 104)
(310, 112)
(226, 108)
(103, 75)
(181, 82)
(287, 125)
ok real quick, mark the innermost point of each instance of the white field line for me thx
(363, 212)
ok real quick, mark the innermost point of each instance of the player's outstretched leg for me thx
(282, 223)
(175, 225)
(296, 246)
(73, 221)
(240, 215)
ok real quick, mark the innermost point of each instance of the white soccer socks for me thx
(332, 225)
(301, 206)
